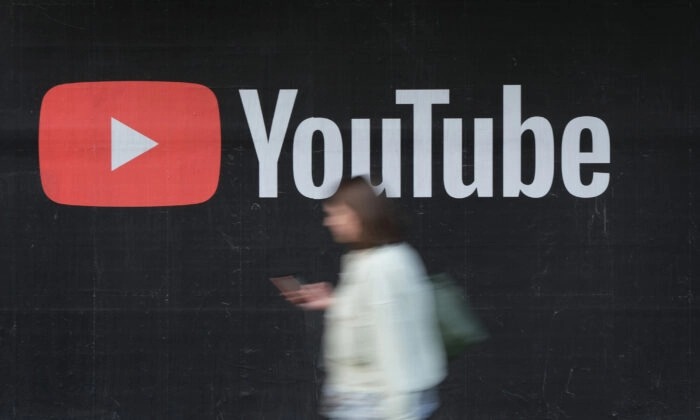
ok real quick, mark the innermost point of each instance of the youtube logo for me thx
(129, 144)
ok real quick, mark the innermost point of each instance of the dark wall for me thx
(166, 312)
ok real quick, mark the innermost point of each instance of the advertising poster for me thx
(160, 161)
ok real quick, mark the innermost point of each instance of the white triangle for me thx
(127, 143)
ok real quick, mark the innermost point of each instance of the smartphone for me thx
(286, 283)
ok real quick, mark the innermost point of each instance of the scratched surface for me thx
(161, 313)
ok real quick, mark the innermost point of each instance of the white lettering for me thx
(391, 154)
(268, 148)
(572, 157)
(483, 158)
(422, 101)
(332, 158)
(512, 142)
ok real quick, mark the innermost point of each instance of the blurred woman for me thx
(382, 350)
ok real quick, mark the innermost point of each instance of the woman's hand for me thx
(312, 297)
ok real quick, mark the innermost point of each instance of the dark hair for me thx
(380, 221)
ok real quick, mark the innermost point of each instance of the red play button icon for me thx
(129, 144)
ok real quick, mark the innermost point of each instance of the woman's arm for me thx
(312, 297)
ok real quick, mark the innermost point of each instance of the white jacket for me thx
(381, 334)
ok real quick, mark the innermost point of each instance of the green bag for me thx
(459, 326)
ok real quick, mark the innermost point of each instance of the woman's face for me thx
(343, 222)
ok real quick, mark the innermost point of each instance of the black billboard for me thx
(545, 155)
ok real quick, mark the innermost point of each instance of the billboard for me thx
(159, 161)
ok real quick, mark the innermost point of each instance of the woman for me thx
(382, 351)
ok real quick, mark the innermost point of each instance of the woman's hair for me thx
(379, 219)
